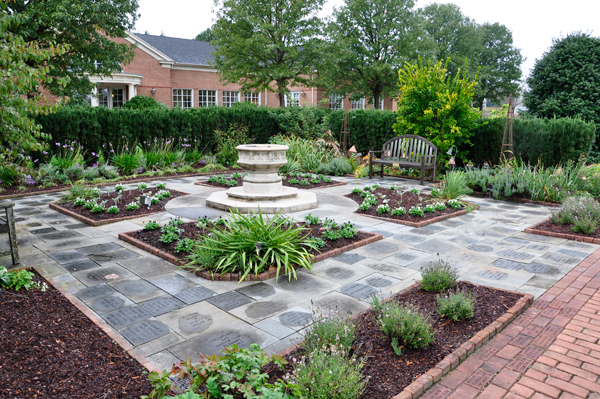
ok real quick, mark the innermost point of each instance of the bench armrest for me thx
(375, 152)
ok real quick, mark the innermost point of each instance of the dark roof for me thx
(185, 51)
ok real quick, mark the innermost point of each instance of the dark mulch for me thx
(406, 200)
(52, 350)
(564, 229)
(389, 374)
(285, 183)
(190, 230)
(127, 197)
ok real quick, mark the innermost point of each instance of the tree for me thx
(18, 131)
(500, 65)
(259, 42)
(87, 27)
(436, 106)
(566, 80)
(368, 42)
(206, 35)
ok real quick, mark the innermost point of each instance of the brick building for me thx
(177, 72)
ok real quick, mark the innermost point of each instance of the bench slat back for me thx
(409, 148)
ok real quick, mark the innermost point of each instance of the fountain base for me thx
(298, 201)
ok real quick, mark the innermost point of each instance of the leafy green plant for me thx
(161, 186)
(304, 182)
(582, 212)
(356, 190)
(454, 186)
(337, 166)
(294, 181)
(132, 206)
(16, 279)
(97, 208)
(454, 204)
(185, 245)
(416, 211)
(119, 188)
(365, 206)
(317, 242)
(456, 306)
(405, 325)
(112, 209)
(429, 208)
(400, 211)
(383, 208)
(79, 201)
(253, 244)
(438, 276)
(325, 331)
(80, 191)
(310, 219)
(439, 206)
(142, 186)
(151, 225)
(125, 160)
(226, 141)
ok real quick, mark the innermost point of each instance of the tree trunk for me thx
(281, 88)
(376, 95)
(281, 99)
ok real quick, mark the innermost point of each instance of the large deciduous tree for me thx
(87, 26)
(267, 44)
(18, 80)
(368, 41)
(206, 35)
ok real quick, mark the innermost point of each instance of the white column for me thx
(130, 91)
(95, 101)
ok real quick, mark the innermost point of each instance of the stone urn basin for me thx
(262, 187)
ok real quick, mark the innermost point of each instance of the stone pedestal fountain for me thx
(262, 185)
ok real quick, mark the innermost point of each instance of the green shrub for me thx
(438, 276)
(583, 212)
(338, 166)
(16, 279)
(10, 174)
(456, 306)
(143, 102)
(126, 161)
(226, 141)
(454, 186)
(334, 329)
(405, 325)
(80, 191)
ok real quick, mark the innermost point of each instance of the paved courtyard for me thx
(168, 314)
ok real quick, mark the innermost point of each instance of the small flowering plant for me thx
(439, 206)
(113, 209)
(400, 211)
(132, 206)
(97, 208)
(365, 206)
(384, 208)
(119, 188)
(454, 204)
(89, 204)
(79, 201)
(416, 211)
(356, 190)
(161, 186)
(429, 208)
(142, 186)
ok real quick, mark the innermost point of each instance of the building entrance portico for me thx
(114, 91)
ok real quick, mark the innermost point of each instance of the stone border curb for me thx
(520, 200)
(236, 276)
(414, 224)
(336, 184)
(96, 223)
(112, 334)
(533, 230)
(451, 361)
(137, 180)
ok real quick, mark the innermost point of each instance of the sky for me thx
(534, 23)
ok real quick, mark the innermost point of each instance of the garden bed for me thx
(406, 202)
(85, 215)
(150, 241)
(305, 181)
(52, 350)
(547, 228)
(417, 369)
(14, 192)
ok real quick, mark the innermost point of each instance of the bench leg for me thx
(381, 171)
(370, 168)
(433, 175)
(12, 236)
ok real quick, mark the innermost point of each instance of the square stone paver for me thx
(194, 294)
(348, 258)
(148, 266)
(406, 257)
(109, 303)
(359, 291)
(113, 256)
(337, 303)
(95, 292)
(99, 248)
(258, 291)
(438, 247)
(265, 308)
(306, 285)
(229, 300)
(192, 320)
(144, 331)
(67, 256)
(295, 318)
(79, 265)
(412, 239)
(341, 273)
(172, 283)
(380, 249)
(137, 290)
(379, 281)
(126, 316)
(161, 305)
(101, 275)
(274, 328)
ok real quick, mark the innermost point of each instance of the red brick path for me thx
(552, 350)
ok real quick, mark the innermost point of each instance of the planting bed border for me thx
(533, 230)
(136, 180)
(236, 276)
(336, 184)
(521, 200)
(460, 354)
(96, 223)
(416, 224)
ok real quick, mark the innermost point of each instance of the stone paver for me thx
(167, 313)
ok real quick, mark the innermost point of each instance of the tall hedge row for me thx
(551, 140)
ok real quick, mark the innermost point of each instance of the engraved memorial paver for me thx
(264, 309)
(95, 292)
(572, 252)
(194, 323)
(114, 256)
(407, 257)
(304, 284)
(410, 238)
(60, 235)
(79, 265)
(258, 290)
(76, 226)
(349, 258)
(35, 224)
(559, 259)
(379, 281)
(538, 247)
(66, 256)
(172, 283)
(99, 248)
(213, 342)
(161, 305)
(109, 303)
(520, 364)
(229, 300)
(357, 290)
(337, 303)
(437, 246)
(480, 248)
(503, 229)
(144, 331)
(509, 253)
(138, 290)
(492, 275)
(539, 268)
(480, 378)
(508, 264)
(45, 230)
(295, 319)
(381, 248)
(422, 231)
(100, 275)
(194, 294)
(516, 241)
(126, 316)
(575, 244)
(339, 273)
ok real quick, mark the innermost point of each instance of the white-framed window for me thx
(381, 103)
(103, 97)
(230, 97)
(118, 98)
(292, 99)
(182, 98)
(111, 97)
(336, 101)
(253, 98)
(358, 104)
(207, 98)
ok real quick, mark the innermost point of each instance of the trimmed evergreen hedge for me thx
(552, 140)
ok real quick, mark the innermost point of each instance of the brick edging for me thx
(373, 237)
(416, 224)
(126, 346)
(520, 200)
(137, 180)
(451, 361)
(96, 223)
(336, 184)
(533, 230)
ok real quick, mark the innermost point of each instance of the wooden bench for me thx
(12, 234)
(407, 151)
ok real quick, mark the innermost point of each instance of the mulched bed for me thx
(52, 350)
(564, 229)
(389, 374)
(406, 200)
(127, 197)
(190, 230)
(285, 183)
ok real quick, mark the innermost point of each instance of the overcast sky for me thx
(533, 22)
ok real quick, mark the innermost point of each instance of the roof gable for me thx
(182, 51)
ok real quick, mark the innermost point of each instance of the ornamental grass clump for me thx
(438, 276)
(254, 244)
(582, 212)
(456, 306)
(454, 186)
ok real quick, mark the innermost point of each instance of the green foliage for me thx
(582, 212)
(406, 324)
(307, 154)
(456, 306)
(185, 245)
(143, 102)
(436, 106)
(334, 232)
(326, 331)
(113, 209)
(400, 211)
(253, 244)
(125, 160)
(310, 219)
(226, 141)
(10, 174)
(438, 276)
(338, 166)
(151, 225)
(304, 122)
(23, 66)
(330, 373)
(80, 191)
(454, 186)
(416, 211)
(206, 35)
(132, 206)
(16, 279)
